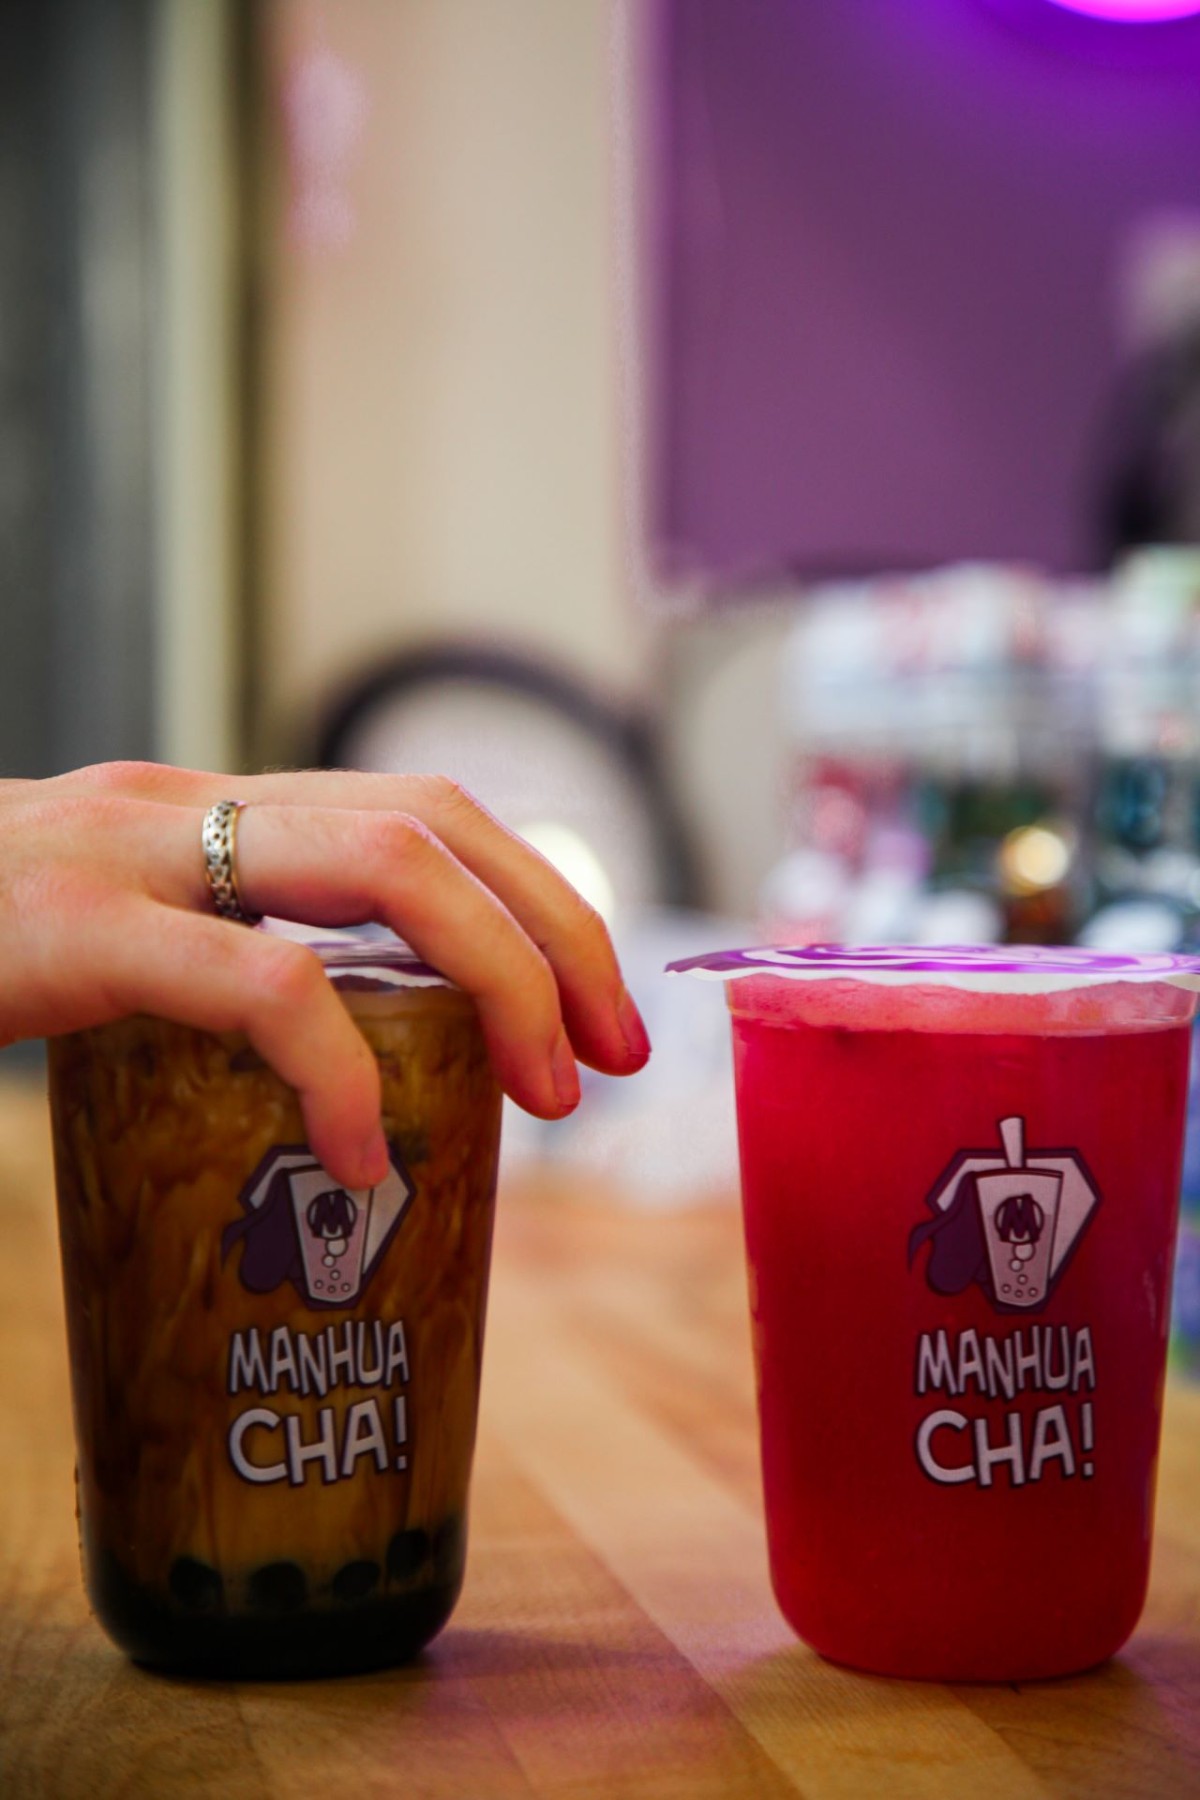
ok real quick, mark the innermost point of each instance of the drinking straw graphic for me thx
(1012, 1136)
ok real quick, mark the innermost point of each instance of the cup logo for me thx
(300, 1226)
(1009, 1222)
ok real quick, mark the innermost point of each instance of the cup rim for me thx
(973, 968)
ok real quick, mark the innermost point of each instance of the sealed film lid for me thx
(363, 960)
(974, 968)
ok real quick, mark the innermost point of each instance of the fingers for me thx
(600, 1015)
(219, 977)
(601, 1018)
(115, 850)
(338, 867)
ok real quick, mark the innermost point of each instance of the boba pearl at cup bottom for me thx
(275, 1380)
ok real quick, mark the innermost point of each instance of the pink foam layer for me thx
(868, 1006)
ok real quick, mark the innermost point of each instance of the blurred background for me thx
(755, 444)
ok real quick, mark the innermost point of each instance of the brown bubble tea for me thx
(275, 1381)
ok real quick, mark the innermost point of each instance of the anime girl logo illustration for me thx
(299, 1226)
(1009, 1223)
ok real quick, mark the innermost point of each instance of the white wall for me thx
(442, 441)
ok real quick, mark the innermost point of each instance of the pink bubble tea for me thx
(960, 1214)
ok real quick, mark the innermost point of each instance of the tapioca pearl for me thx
(408, 1554)
(355, 1581)
(450, 1549)
(195, 1585)
(277, 1587)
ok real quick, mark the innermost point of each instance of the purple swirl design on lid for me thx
(373, 964)
(974, 965)
(376, 968)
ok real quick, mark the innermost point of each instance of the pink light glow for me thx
(1133, 12)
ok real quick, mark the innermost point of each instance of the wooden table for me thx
(616, 1635)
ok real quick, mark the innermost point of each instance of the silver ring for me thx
(219, 839)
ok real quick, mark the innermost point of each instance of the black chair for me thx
(551, 757)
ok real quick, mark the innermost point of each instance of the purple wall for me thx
(891, 233)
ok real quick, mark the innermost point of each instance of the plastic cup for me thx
(960, 1179)
(275, 1381)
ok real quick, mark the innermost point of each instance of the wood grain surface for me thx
(617, 1634)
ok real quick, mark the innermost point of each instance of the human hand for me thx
(105, 911)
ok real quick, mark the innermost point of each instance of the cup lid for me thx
(977, 968)
(369, 961)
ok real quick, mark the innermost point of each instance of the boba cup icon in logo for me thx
(1009, 1222)
(300, 1226)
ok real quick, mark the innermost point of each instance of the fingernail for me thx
(566, 1075)
(637, 1040)
(375, 1160)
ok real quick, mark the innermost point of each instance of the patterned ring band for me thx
(219, 838)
